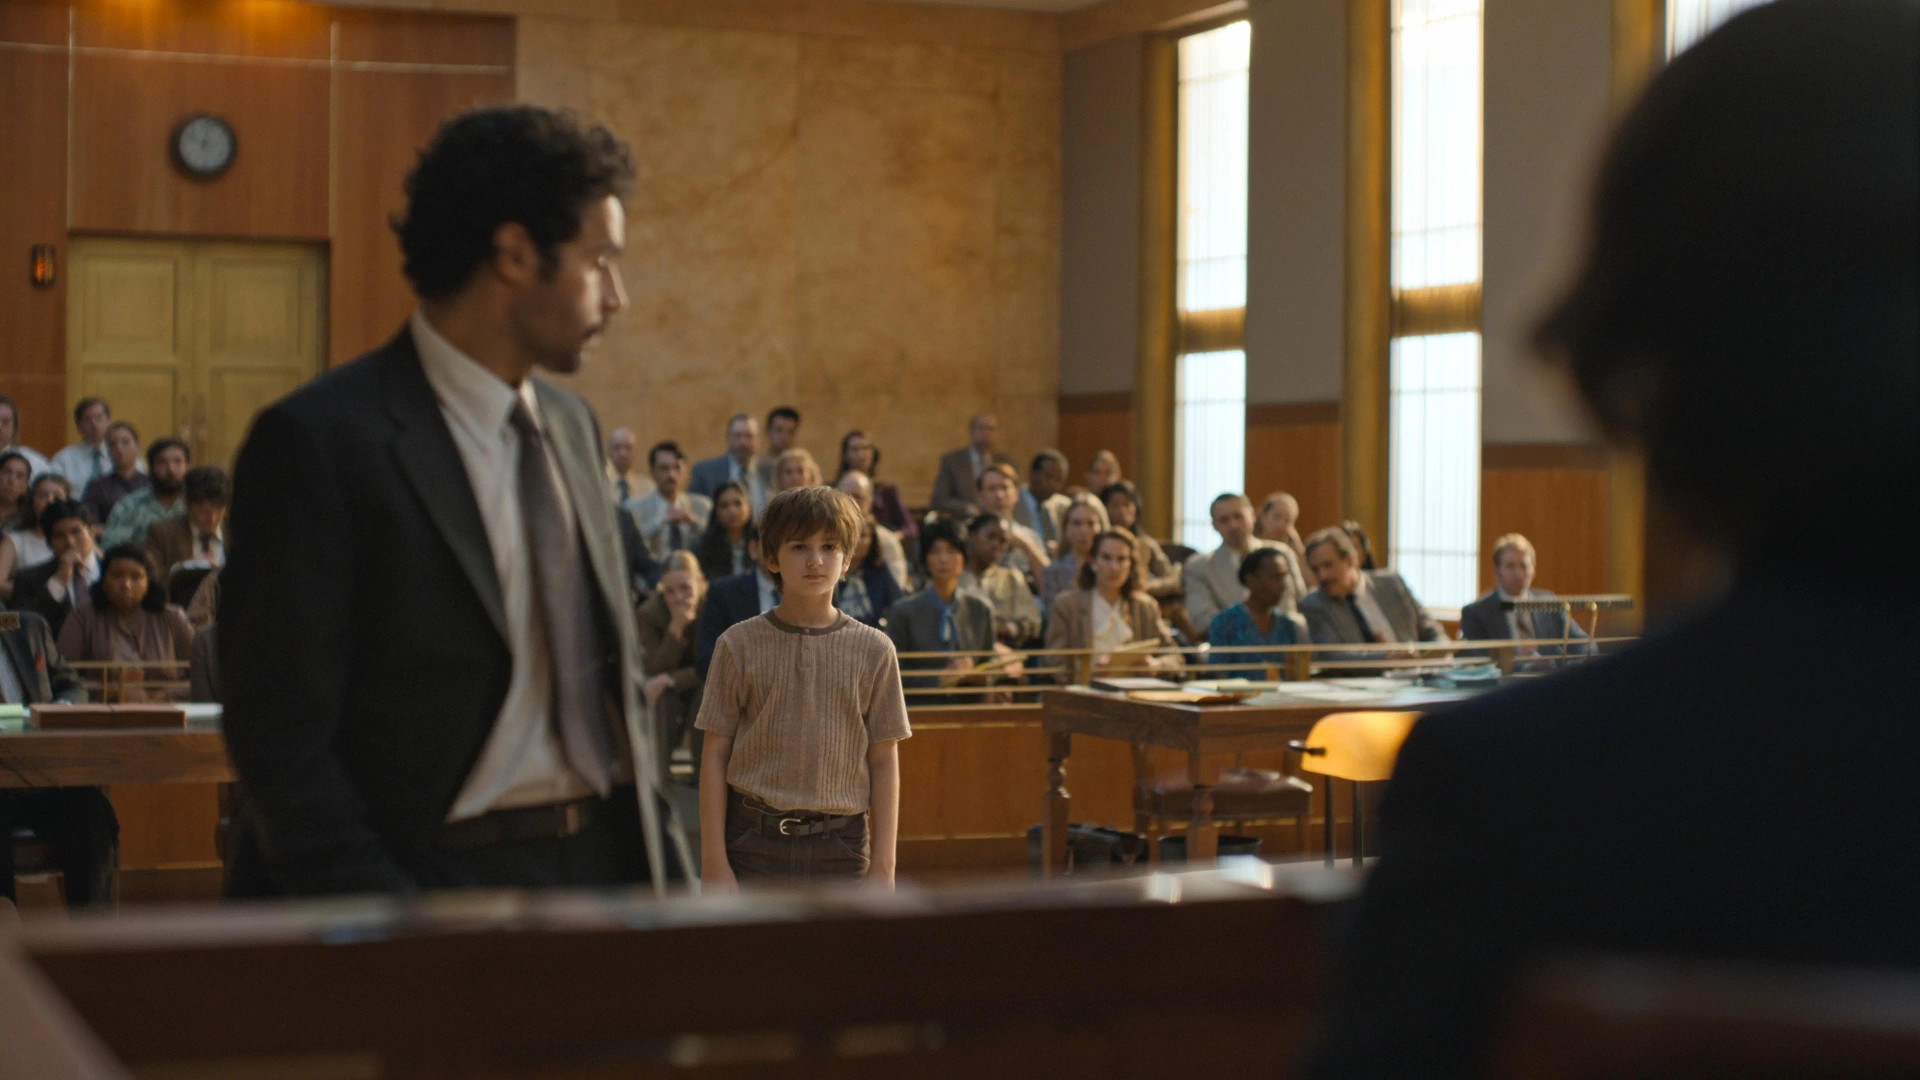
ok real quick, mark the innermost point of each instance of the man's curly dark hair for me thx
(513, 163)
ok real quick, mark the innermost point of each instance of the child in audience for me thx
(800, 775)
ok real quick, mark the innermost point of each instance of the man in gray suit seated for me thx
(1486, 620)
(1354, 606)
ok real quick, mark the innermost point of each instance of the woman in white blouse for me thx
(1110, 609)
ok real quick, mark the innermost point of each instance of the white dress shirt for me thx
(80, 463)
(84, 577)
(1370, 609)
(650, 517)
(748, 476)
(523, 763)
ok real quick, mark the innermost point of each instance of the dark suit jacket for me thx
(30, 594)
(1689, 795)
(362, 638)
(1483, 620)
(44, 676)
(914, 625)
(732, 599)
(953, 488)
(1331, 621)
(882, 591)
(707, 476)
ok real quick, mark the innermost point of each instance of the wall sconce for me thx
(42, 270)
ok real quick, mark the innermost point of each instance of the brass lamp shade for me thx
(1357, 745)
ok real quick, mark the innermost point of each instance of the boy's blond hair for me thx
(797, 513)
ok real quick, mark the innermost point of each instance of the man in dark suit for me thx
(77, 822)
(197, 537)
(954, 487)
(730, 600)
(426, 638)
(1354, 606)
(52, 589)
(738, 464)
(1703, 793)
(1486, 619)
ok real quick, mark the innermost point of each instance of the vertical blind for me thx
(1434, 423)
(1210, 399)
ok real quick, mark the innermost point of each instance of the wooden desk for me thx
(37, 759)
(1196, 730)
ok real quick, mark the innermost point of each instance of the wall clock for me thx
(203, 146)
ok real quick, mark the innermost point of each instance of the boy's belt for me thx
(793, 823)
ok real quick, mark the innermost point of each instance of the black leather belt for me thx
(791, 824)
(554, 821)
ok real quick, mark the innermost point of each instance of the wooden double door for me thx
(192, 339)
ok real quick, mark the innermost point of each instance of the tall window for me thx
(1690, 20)
(1210, 397)
(1434, 426)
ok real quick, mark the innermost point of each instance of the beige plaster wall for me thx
(865, 229)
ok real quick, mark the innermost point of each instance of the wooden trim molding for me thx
(1440, 309)
(1292, 413)
(1218, 330)
(1369, 302)
(1159, 329)
(1118, 18)
(1543, 456)
(1109, 402)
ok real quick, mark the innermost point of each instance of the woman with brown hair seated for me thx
(1110, 610)
(130, 622)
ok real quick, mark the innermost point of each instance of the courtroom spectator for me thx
(1016, 614)
(26, 546)
(77, 822)
(623, 472)
(196, 539)
(88, 458)
(731, 600)
(1738, 787)
(1279, 520)
(1360, 543)
(130, 622)
(203, 665)
(997, 493)
(795, 469)
(205, 603)
(10, 438)
(1212, 580)
(1264, 618)
(669, 517)
(859, 453)
(1122, 501)
(1486, 620)
(960, 470)
(1041, 501)
(126, 475)
(783, 425)
(942, 618)
(1102, 472)
(162, 497)
(1085, 518)
(1109, 610)
(738, 464)
(1353, 606)
(55, 587)
(668, 623)
(892, 550)
(722, 549)
(869, 588)
(16, 474)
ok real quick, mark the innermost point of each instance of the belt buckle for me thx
(786, 821)
(570, 819)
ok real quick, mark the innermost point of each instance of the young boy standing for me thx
(800, 776)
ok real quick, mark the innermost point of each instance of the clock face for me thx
(204, 146)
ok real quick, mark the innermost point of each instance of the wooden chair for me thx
(1647, 1018)
(1243, 797)
(1357, 746)
(33, 858)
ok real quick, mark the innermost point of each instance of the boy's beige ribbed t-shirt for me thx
(802, 705)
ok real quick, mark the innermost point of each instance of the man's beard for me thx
(167, 488)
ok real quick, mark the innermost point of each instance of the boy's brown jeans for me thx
(765, 845)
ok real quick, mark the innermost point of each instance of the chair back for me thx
(184, 582)
(1356, 745)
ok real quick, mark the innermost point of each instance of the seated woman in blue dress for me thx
(1260, 619)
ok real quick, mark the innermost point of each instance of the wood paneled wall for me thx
(328, 108)
(1556, 496)
(1090, 423)
(1295, 447)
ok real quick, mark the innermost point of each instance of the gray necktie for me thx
(563, 594)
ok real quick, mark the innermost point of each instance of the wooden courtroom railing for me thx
(1215, 973)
